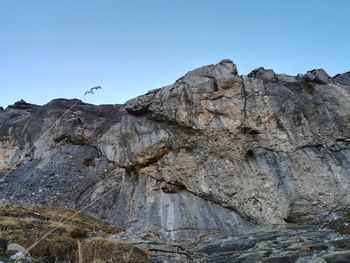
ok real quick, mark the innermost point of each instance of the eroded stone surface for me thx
(300, 245)
(215, 150)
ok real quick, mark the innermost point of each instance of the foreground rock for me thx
(213, 151)
(276, 245)
(287, 244)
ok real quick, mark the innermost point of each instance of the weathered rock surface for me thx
(213, 151)
(274, 246)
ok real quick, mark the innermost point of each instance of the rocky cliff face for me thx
(213, 151)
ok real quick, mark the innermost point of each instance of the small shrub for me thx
(78, 233)
(56, 249)
(105, 251)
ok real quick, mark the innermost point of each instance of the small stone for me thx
(337, 257)
(19, 255)
(226, 61)
(262, 73)
(319, 76)
(318, 260)
(14, 248)
(228, 64)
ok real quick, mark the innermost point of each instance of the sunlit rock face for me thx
(215, 150)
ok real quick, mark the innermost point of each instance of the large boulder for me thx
(214, 150)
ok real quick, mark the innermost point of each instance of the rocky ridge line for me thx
(215, 150)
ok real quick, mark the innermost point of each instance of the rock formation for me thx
(214, 151)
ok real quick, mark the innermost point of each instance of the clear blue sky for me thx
(61, 48)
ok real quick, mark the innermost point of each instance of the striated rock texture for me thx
(213, 151)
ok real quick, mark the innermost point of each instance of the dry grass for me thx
(53, 215)
(102, 250)
(26, 224)
(8, 222)
(63, 228)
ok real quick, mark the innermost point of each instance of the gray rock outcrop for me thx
(215, 150)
